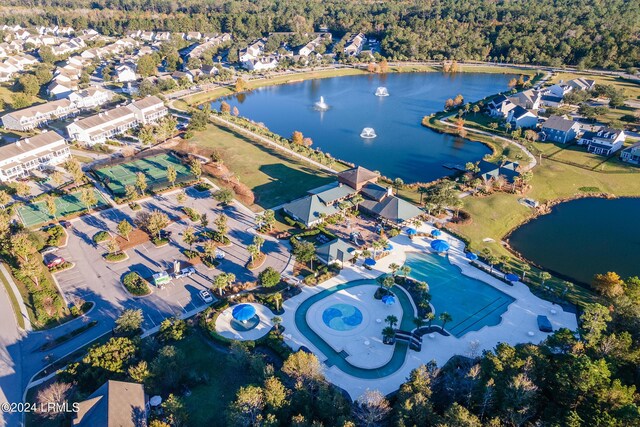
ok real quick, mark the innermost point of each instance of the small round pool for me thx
(342, 317)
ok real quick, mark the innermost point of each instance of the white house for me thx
(559, 89)
(126, 73)
(263, 63)
(37, 115)
(604, 141)
(91, 97)
(35, 152)
(500, 106)
(522, 118)
(59, 90)
(582, 84)
(99, 127)
(631, 154)
(559, 129)
(354, 46)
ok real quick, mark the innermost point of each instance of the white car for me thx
(206, 296)
(219, 254)
(185, 272)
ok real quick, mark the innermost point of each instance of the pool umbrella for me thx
(412, 231)
(388, 300)
(370, 262)
(439, 245)
(389, 247)
(435, 232)
(243, 312)
(512, 277)
(472, 256)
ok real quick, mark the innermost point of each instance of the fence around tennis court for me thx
(37, 213)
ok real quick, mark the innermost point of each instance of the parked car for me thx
(544, 324)
(65, 224)
(52, 260)
(48, 250)
(219, 254)
(206, 296)
(185, 272)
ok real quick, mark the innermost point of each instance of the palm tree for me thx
(405, 270)
(391, 320)
(356, 200)
(220, 282)
(253, 252)
(419, 322)
(544, 276)
(525, 268)
(277, 298)
(276, 320)
(394, 268)
(387, 334)
(388, 282)
(429, 318)
(445, 318)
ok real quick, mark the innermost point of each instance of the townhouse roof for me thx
(558, 123)
(25, 145)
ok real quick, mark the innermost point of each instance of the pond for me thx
(584, 237)
(402, 147)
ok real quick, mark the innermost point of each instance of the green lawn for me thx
(273, 176)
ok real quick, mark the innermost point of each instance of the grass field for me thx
(117, 177)
(37, 213)
(273, 176)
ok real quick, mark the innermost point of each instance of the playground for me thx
(117, 176)
(37, 213)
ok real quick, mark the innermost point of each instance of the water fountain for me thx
(321, 105)
(368, 133)
(382, 91)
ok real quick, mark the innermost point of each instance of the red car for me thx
(52, 260)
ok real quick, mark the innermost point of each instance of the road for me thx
(92, 279)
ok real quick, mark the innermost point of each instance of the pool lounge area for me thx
(341, 322)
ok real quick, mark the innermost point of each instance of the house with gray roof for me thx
(631, 154)
(604, 141)
(18, 159)
(392, 209)
(335, 251)
(520, 117)
(114, 404)
(491, 171)
(559, 129)
(309, 210)
(333, 193)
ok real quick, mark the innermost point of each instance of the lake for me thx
(403, 147)
(584, 237)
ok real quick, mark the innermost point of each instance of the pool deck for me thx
(223, 324)
(518, 325)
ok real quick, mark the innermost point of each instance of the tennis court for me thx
(37, 213)
(117, 177)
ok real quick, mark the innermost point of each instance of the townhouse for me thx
(38, 152)
(604, 141)
(38, 115)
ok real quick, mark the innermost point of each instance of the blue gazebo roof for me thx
(243, 312)
(388, 299)
(370, 261)
(440, 245)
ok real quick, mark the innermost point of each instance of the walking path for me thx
(18, 297)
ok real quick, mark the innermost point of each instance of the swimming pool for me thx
(471, 303)
(342, 317)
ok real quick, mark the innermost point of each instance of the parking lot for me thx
(93, 279)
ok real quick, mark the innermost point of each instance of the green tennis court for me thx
(37, 213)
(117, 177)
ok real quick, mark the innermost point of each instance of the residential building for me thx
(559, 89)
(18, 159)
(263, 63)
(559, 129)
(550, 100)
(309, 210)
(604, 141)
(126, 73)
(38, 115)
(59, 90)
(354, 45)
(100, 127)
(114, 404)
(253, 51)
(91, 97)
(522, 118)
(582, 84)
(500, 106)
(631, 154)
(357, 177)
(527, 99)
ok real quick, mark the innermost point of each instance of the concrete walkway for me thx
(16, 293)
(224, 328)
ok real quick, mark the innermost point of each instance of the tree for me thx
(269, 277)
(171, 175)
(223, 196)
(5, 198)
(593, 323)
(172, 329)
(29, 85)
(130, 192)
(189, 236)
(140, 372)
(394, 268)
(112, 246)
(445, 318)
(275, 393)
(305, 252)
(372, 408)
(51, 205)
(146, 135)
(254, 252)
(88, 197)
(388, 333)
(544, 276)
(125, 228)
(609, 284)
(155, 222)
(220, 282)
(247, 409)
(23, 189)
(391, 320)
(225, 108)
(176, 414)
(258, 241)
(20, 100)
(74, 168)
(297, 138)
(277, 298)
(52, 398)
(57, 177)
(525, 268)
(195, 167)
(21, 246)
(266, 219)
(241, 85)
(429, 317)
(129, 322)
(276, 320)
(221, 226)
(146, 66)
(141, 182)
(405, 270)
(303, 367)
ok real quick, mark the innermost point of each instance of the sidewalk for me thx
(16, 293)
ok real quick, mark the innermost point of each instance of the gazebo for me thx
(243, 312)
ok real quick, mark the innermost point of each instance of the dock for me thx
(454, 166)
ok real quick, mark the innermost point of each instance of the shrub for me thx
(190, 254)
(209, 263)
(56, 235)
(119, 256)
(61, 267)
(135, 206)
(191, 213)
(160, 241)
(202, 186)
(269, 277)
(101, 236)
(135, 284)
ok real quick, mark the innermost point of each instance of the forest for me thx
(586, 34)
